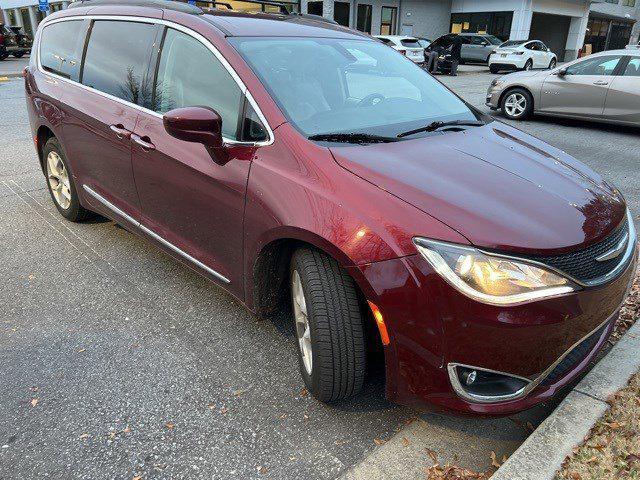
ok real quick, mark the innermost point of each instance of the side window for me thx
(477, 40)
(61, 47)
(530, 46)
(595, 66)
(190, 75)
(117, 59)
(633, 68)
(252, 129)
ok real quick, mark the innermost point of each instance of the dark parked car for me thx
(24, 41)
(329, 178)
(8, 42)
(476, 48)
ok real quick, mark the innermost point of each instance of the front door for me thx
(188, 200)
(105, 114)
(623, 99)
(582, 90)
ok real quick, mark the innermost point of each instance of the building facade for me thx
(25, 13)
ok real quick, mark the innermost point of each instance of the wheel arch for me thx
(43, 134)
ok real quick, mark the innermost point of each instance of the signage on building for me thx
(43, 5)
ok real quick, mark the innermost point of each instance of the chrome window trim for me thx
(107, 204)
(243, 88)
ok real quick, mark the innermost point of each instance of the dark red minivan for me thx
(308, 168)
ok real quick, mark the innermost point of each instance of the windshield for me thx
(494, 40)
(512, 43)
(344, 86)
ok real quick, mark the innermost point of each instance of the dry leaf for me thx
(137, 477)
(34, 402)
(378, 441)
(224, 410)
(84, 435)
(304, 392)
(494, 460)
(211, 406)
(405, 442)
(81, 350)
(433, 455)
(262, 469)
(575, 476)
(127, 429)
(169, 425)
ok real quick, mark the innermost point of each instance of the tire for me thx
(517, 104)
(18, 54)
(3, 56)
(552, 64)
(334, 324)
(57, 173)
(528, 65)
(493, 69)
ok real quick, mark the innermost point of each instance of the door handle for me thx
(144, 142)
(120, 131)
(600, 82)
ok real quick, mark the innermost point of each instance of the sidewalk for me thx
(12, 67)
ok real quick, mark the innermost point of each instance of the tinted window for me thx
(190, 75)
(61, 47)
(117, 59)
(512, 43)
(252, 129)
(410, 43)
(594, 66)
(633, 68)
(477, 41)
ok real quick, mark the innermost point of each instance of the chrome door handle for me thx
(600, 82)
(146, 145)
(120, 131)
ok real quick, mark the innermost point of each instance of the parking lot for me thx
(118, 361)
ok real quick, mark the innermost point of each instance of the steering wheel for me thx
(371, 100)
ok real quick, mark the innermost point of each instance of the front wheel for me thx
(517, 104)
(552, 64)
(18, 54)
(329, 327)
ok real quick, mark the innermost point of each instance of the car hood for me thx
(500, 188)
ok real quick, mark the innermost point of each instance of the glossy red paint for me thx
(492, 187)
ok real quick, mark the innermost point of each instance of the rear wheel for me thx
(528, 65)
(553, 63)
(329, 327)
(517, 104)
(60, 183)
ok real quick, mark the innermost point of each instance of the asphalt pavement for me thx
(119, 361)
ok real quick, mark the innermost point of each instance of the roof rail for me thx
(164, 4)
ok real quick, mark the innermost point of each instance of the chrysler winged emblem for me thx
(615, 251)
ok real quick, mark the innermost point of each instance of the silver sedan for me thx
(601, 87)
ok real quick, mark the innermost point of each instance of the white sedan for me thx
(410, 47)
(522, 55)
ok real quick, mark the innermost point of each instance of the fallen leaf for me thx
(224, 410)
(304, 392)
(405, 442)
(84, 435)
(137, 477)
(262, 469)
(112, 435)
(593, 459)
(616, 425)
(575, 476)
(433, 455)
(34, 402)
(81, 350)
(378, 441)
(169, 425)
(127, 429)
(494, 460)
(211, 406)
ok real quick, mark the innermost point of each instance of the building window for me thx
(341, 12)
(492, 23)
(629, 3)
(389, 19)
(314, 8)
(364, 17)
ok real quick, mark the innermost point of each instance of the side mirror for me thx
(484, 44)
(562, 72)
(198, 125)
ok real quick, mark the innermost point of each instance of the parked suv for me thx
(8, 42)
(522, 55)
(410, 47)
(310, 170)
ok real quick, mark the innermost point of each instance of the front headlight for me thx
(491, 279)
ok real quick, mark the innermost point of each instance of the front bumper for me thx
(432, 325)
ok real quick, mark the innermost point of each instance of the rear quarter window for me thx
(61, 47)
(410, 43)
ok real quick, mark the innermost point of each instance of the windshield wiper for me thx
(436, 125)
(352, 137)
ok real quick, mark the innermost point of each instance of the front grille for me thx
(575, 356)
(582, 264)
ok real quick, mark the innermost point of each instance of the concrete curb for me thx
(542, 453)
(10, 74)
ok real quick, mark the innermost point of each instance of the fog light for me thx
(484, 386)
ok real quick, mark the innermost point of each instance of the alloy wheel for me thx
(303, 328)
(515, 104)
(58, 178)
